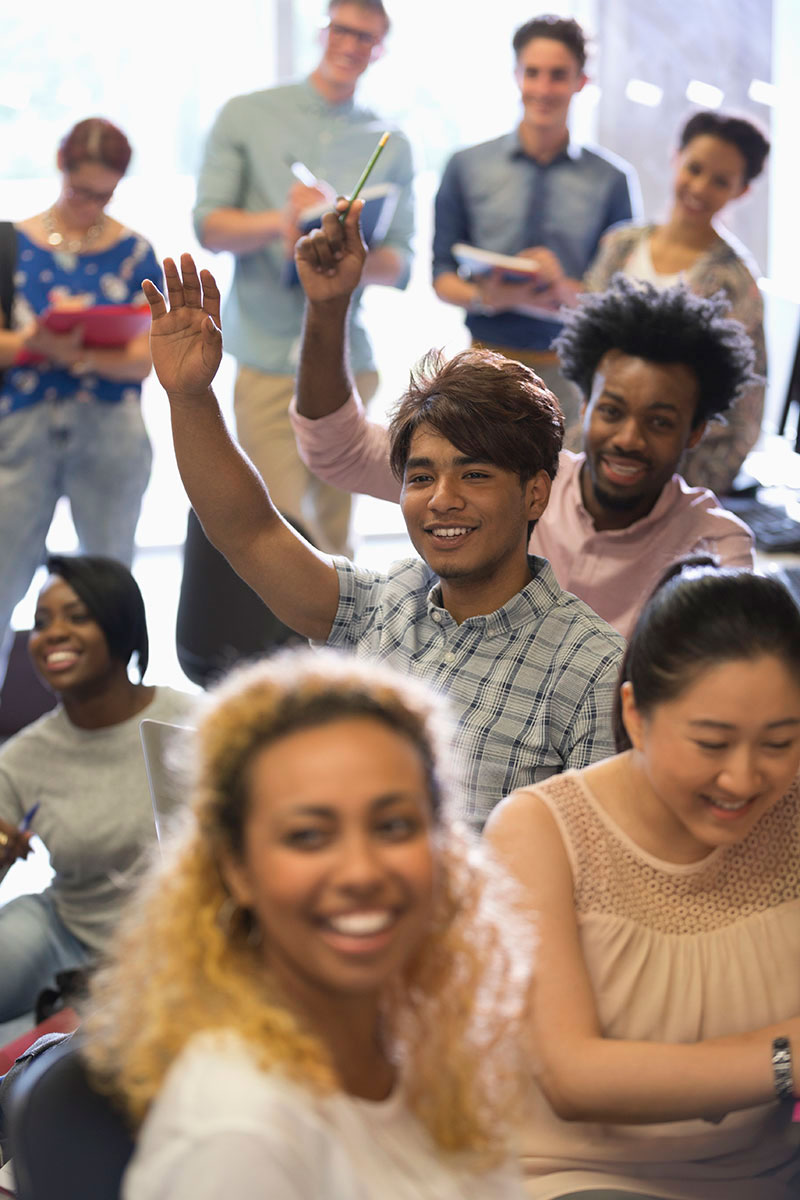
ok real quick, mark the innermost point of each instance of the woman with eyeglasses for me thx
(70, 418)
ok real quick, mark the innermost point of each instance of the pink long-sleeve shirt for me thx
(613, 571)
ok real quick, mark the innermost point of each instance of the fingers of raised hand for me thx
(192, 292)
(154, 298)
(211, 296)
(174, 283)
(322, 248)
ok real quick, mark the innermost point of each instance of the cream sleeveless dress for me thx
(678, 953)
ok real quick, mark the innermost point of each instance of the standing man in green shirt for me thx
(249, 202)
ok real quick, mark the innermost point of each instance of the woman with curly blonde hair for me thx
(318, 989)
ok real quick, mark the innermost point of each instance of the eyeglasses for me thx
(339, 32)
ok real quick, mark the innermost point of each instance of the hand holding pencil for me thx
(330, 260)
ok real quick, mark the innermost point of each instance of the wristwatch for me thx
(782, 1068)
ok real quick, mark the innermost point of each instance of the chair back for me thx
(66, 1140)
(220, 620)
(23, 696)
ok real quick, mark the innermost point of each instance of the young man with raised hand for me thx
(533, 193)
(653, 368)
(529, 670)
(249, 201)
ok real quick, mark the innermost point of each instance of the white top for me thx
(640, 266)
(221, 1127)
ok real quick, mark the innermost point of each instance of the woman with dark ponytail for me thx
(666, 1012)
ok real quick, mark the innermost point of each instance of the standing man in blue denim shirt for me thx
(532, 193)
(249, 201)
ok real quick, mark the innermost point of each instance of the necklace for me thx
(72, 245)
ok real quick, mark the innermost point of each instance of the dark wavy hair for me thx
(671, 326)
(559, 29)
(492, 408)
(746, 136)
(700, 616)
(112, 596)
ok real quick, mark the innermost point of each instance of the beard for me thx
(615, 503)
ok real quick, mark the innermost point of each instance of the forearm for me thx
(242, 232)
(452, 289)
(323, 378)
(128, 364)
(226, 492)
(609, 1081)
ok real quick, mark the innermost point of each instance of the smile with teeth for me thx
(61, 658)
(730, 806)
(361, 924)
(623, 469)
(449, 531)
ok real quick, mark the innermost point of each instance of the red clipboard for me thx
(103, 325)
(108, 326)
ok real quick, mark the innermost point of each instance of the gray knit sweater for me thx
(95, 815)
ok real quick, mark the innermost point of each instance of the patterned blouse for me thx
(111, 276)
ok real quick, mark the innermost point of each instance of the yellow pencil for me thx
(365, 174)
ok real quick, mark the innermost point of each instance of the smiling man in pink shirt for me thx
(654, 368)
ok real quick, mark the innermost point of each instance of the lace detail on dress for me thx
(614, 878)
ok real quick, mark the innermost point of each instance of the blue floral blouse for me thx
(112, 276)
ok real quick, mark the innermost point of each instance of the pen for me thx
(25, 824)
(365, 175)
(301, 172)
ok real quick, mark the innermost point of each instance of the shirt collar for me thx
(535, 600)
(571, 152)
(318, 104)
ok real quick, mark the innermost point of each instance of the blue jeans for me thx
(34, 946)
(97, 455)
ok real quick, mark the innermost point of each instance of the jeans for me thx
(34, 947)
(97, 455)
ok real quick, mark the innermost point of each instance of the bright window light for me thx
(704, 94)
(762, 92)
(641, 92)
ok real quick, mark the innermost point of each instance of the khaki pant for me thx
(261, 403)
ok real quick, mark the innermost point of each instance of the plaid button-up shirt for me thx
(530, 686)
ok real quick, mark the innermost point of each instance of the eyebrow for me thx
(460, 460)
(70, 604)
(707, 723)
(656, 403)
(324, 811)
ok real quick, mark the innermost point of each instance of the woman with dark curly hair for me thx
(313, 994)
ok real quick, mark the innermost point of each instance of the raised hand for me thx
(330, 259)
(185, 340)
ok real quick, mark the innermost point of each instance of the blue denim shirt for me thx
(246, 165)
(497, 197)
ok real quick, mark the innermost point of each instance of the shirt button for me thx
(449, 657)
(436, 616)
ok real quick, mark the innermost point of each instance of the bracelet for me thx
(782, 1068)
